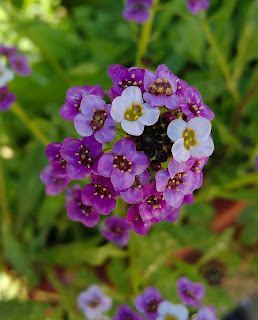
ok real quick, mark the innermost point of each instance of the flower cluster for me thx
(155, 167)
(19, 65)
(151, 304)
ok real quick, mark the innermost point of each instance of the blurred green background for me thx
(46, 259)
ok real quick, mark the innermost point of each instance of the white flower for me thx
(132, 112)
(170, 311)
(6, 75)
(191, 138)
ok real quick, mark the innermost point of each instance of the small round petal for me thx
(134, 128)
(122, 180)
(179, 152)
(168, 308)
(124, 147)
(90, 102)
(77, 171)
(119, 106)
(176, 129)
(140, 163)
(162, 178)
(173, 197)
(105, 165)
(133, 94)
(201, 126)
(203, 148)
(105, 134)
(132, 195)
(83, 125)
(105, 205)
(150, 115)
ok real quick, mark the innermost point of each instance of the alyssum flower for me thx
(137, 10)
(117, 230)
(189, 292)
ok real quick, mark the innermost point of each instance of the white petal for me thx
(179, 311)
(179, 152)
(201, 126)
(133, 94)
(119, 106)
(6, 75)
(164, 308)
(203, 148)
(150, 115)
(176, 129)
(134, 128)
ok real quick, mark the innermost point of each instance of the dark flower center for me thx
(194, 108)
(93, 303)
(3, 94)
(62, 162)
(101, 190)
(127, 317)
(154, 201)
(189, 293)
(175, 182)
(129, 82)
(138, 6)
(18, 64)
(196, 167)
(77, 105)
(116, 230)
(57, 181)
(85, 157)
(84, 209)
(137, 183)
(98, 120)
(160, 86)
(121, 163)
(152, 306)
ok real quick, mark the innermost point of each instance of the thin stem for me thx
(3, 199)
(121, 133)
(221, 58)
(21, 114)
(145, 35)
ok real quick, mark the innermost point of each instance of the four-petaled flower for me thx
(53, 184)
(20, 65)
(206, 313)
(117, 230)
(190, 293)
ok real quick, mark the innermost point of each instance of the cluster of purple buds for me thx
(10, 64)
(155, 167)
(150, 304)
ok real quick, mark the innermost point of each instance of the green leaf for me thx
(10, 310)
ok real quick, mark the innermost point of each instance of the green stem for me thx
(6, 217)
(145, 36)
(221, 58)
(121, 133)
(133, 266)
(21, 114)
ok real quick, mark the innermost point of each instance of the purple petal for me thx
(125, 147)
(161, 179)
(132, 195)
(121, 180)
(174, 198)
(83, 125)
(106, 134)
(105, 165)
(104, 205)
(140, 163)
(77, 171)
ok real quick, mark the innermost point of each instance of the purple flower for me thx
(125, 312)
(8, 51)
(132, 112)
(153, 204)
(54, 156)
(168, 310)
(123, 164)
(100, 194)
(135, 192)
(77, 211)
(53, 184)
(123, 78)
(73, 99)
(190, 293)
(140, 227)
(206, 313)
(95, 119)
(81, 157)
(93, 302)
(197, 170)
(137, 10)
(176, 182)
(117, 230)
(148, 302)
(195, 6)
(256, 162)
(190, 138)
(193, 106)
(7, 98)
(161, 88)
(20, 65)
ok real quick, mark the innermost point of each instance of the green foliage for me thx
(10, 310)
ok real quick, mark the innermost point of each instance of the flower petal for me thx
(134, 128)
(179, 152)
(150, 115)
(176, 129)
(122, 180)
(201, 126)
(83, 125)
(203, 148)
(105, 165)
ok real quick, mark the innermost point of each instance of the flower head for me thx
(53, 184)
(132, 112)
(190, 293)
(93, 302)
(170, 311)
(176, 182)
(161, 88)
(123, 164)
(81, 156)
(20, 65)
(117, 230)
(190, 138)
(74, 96)
(206, 313)
(100, 194)
(123, 78)
(195, 6)
(77, 211)
(6, 75)
(148, 302)
(7, 98)
(137, 10)
(125, 312)
(7, 51)
(95, 119)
